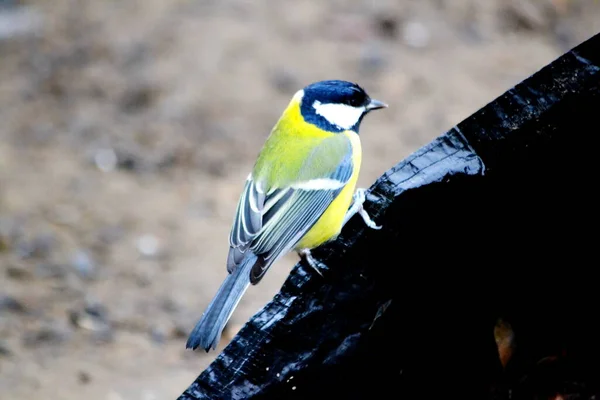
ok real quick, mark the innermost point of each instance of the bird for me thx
(298, 196)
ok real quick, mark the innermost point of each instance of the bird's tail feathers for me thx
(207, 332)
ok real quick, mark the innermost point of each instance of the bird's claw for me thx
(357, 207)
(312, 262)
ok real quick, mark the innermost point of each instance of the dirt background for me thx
(128, 127)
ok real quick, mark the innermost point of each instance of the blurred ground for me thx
(128, 127)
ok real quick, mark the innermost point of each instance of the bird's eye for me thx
(355, 101)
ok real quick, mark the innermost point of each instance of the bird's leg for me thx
(316, 265)
(357, 207)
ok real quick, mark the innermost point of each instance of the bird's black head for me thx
(336, 106)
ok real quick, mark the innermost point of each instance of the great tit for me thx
(298, 196)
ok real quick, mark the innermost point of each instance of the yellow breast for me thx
(330, 223)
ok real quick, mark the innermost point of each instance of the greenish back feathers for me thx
(289, 156)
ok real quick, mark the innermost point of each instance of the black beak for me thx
(375, 105)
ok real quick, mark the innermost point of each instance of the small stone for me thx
(93, 317)
(387, 25)
(283, 80)
(143, 280)
(106, 160)
(158, 335)
(179, 332)
(181, 328)
(19, 21)
(138, 98)
(169, 305)
(39, 246)
(148, 245)
(129, 161)
(46, 335)
(4, 350)
(415, 34)
(11, 304)
(18, 272)
(97, 311)
(82, 262)
(83, 377)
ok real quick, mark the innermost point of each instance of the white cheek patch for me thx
(341, 115)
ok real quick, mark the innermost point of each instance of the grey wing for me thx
(247, 222)
(288, 224)
(271, 224)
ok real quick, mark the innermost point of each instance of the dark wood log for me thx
(497, 218)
